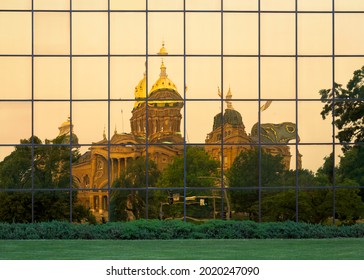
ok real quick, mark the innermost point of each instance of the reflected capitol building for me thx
(161, 122)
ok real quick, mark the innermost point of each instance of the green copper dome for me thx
(231, 116)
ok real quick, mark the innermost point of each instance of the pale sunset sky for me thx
(235, 33)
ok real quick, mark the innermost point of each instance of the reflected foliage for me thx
(201, 172)
(347, 108)
(128, 203)
(315, 205)
(48, 167)
(244, 174)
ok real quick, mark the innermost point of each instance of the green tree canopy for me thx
(127, 202)
(200, 170)
(347, 108)
(201, 173)
(39, 167)
(244, 173)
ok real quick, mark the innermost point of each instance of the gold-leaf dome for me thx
(163, 50)
(140, 91)
(65, 127)
(163, 82)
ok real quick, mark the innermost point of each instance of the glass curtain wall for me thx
(189, 109)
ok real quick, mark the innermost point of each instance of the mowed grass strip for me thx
(229, 249)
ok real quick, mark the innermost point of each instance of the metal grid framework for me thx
(259, 100)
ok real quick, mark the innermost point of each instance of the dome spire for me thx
(104, 133)
(228, 100)
(162, 50)
(163, 73)
(218, 91)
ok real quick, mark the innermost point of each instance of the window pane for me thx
(52, 33)
(314, 74)
(345, 67)
(277, 34)
(89, 33)
(277, 5)
(126, 40)
(208, 71)
(15, 115)
(16, 77)
(51, 119)
(347, 40)
(83, 114)
(315, 5)
(312, 128)
(51, 78)
(167, 28)
(17, 5)
(90, 78)
(251, 5)
(241, 74)
(89, 4)
(203, 4)
(241, 34)
(313, 158)
(15, 33)
(17, 207)
(125, 75)
(165, 5)
(127, 5)
(349, 5)
(315, 34)
(198, 125)
(51, 5)
(207, 24)
(278, 78)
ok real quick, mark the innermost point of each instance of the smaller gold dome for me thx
(65, 127)
(163, 50)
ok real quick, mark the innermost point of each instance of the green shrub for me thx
(156, 229)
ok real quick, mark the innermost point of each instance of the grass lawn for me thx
(271, 249)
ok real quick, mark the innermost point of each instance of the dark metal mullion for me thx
(71, 120)
(187, 99)
(191, 55)
(333, 116)
(296, 103)
(108, 111)
(185, 117)
(222, 109)
(259, 119)
(32, 110)
(146, 113)
(190, 11)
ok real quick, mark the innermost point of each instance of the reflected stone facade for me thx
(162, 121)
(156, 121)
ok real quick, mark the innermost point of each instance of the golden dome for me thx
(66, 124)
(140, 91)
(163, 82)
(163, 50)
(65, 127)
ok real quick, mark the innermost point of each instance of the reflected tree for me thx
(128, 197)
(47, 169)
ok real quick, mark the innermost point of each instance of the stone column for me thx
(112, 171)
(119, 168)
